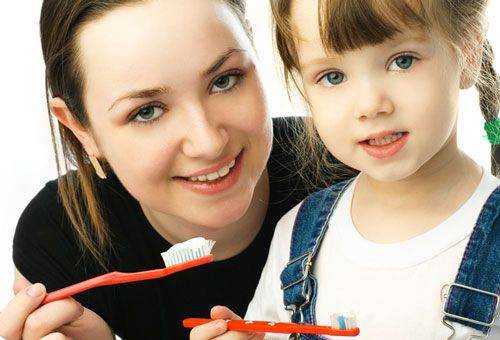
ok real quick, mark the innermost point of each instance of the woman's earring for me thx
(98, 168)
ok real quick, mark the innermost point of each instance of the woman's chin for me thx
(220, 216)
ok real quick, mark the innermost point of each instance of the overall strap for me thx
(297, 282)
(473, 299)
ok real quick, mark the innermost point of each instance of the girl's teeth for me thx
(214, 175)
(385, 140)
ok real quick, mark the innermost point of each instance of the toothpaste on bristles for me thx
(189, 250)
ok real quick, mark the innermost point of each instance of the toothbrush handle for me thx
(119, 277)
(274, 327)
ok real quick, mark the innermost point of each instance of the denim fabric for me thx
(298, 284)
(480, 268)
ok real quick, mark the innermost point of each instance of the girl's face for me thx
(383, 109)
(174, 101)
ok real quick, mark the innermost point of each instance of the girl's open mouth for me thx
(386, 145)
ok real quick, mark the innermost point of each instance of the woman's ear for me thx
(472, 57)
(59, 109)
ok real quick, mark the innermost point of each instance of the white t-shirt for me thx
(395, 290)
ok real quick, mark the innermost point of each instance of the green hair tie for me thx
(492, 128)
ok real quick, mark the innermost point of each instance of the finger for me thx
(20, 283)
(221, 312)
(50, 317)
(209, 330)
(14, 315)
(55, 336)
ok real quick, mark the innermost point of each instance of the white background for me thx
(26, 158)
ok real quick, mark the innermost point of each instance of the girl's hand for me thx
(23, 319)
(217, 329)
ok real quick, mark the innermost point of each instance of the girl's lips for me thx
(217, 186)
(387, 150)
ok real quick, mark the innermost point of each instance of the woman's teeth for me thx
(222, 172)
(385, 140)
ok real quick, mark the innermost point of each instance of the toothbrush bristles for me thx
(343, 321)
(189, 250)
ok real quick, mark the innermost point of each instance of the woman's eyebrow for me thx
(156, 91)
(145, 93)
(220, 61)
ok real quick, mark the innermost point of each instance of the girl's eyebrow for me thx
(156, 91)
(395, 41)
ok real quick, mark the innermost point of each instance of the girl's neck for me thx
(231, 239)
(388, 212)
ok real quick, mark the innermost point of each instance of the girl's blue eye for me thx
(403, 62)
(225, 83)
(148, 113)
(332, 78)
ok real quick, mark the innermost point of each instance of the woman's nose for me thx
(204, 138)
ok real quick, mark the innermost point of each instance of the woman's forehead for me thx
(157, 39)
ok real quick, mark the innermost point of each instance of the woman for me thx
(161, 110)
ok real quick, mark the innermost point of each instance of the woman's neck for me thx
(231, 239)
(428, 197)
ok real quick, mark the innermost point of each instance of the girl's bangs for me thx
(349, 24)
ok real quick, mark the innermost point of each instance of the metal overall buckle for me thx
(458, 317)
(293, 308)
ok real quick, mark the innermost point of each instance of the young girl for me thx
(166, 135)
(382, 80)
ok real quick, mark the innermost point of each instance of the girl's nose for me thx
(372, 100)
(204, 138)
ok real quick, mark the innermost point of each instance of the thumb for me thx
(221, 312)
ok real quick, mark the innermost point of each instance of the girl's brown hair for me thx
(349, 24)
(61, 21)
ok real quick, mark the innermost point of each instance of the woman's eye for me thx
(332, 79)
(225, 83)
(403, 62)
(148, 114)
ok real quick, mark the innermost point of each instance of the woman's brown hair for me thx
(349, 24)
(61, 21)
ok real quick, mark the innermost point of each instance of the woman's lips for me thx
(216, 186)
(386, 150)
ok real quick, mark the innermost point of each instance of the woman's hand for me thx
(217, 329)
(23, 318)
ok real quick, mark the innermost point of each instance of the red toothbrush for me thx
(341, 326)
(192, 253)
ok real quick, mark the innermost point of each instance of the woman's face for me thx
(174, 100)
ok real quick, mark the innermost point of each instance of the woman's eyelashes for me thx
(148, 113)
(226, 82)
(399, 63)
(152, 112)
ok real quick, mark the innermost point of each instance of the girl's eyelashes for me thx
(402, 62)
(226, 82)
(332, 78)
(148, 113)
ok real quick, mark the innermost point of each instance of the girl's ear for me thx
(472, 57)
(59, 109)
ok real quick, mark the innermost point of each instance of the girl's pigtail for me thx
(489, 98)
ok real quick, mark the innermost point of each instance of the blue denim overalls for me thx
(472, 300)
